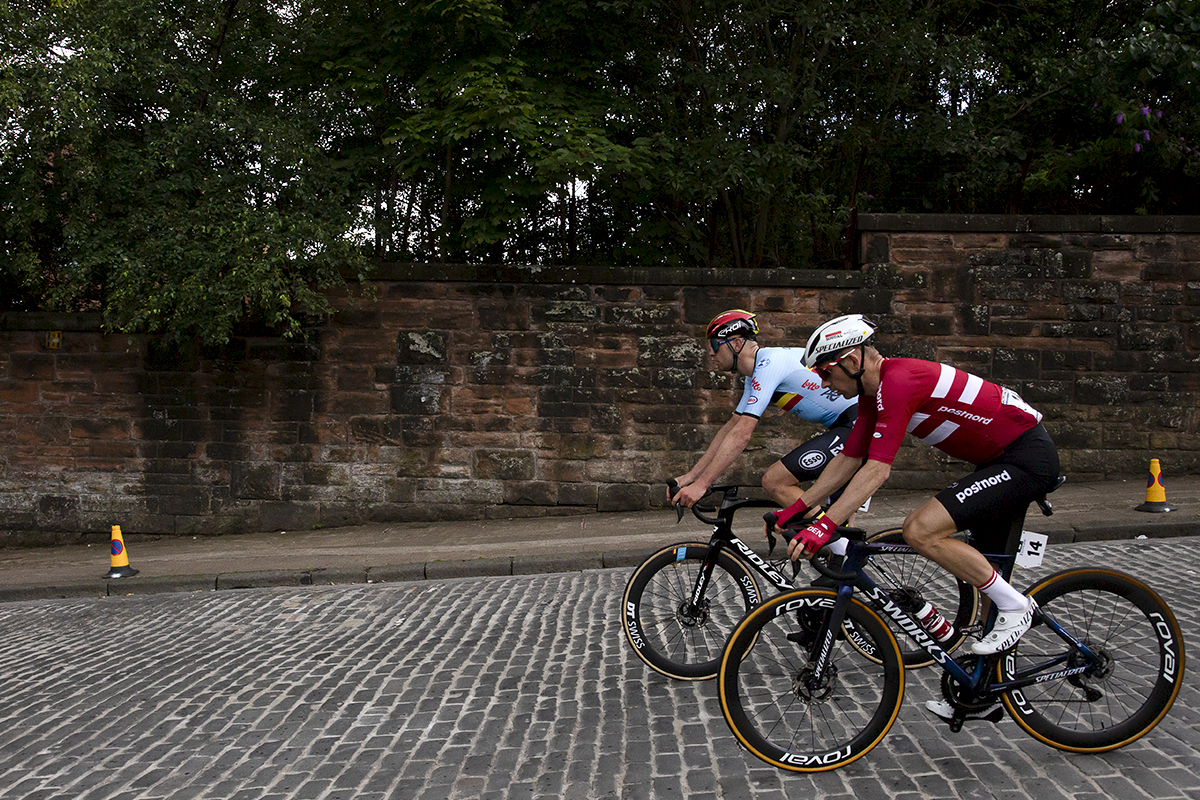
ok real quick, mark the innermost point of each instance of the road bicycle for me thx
(813, 679)
(682, 603)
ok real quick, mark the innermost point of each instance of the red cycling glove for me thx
(816, 535)
(796, 509)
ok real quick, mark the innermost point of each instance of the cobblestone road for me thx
(519, 687)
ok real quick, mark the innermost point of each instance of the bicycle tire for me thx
(679, 645)
(789, 724)
(920, 579)
(1130, 626)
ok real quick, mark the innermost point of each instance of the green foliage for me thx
(189, 166)
(164, 164)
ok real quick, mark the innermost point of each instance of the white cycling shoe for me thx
(1010, 626)
(945, 711)
(940, 708)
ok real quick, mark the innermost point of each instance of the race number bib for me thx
(1010, 398)
(1033, 547)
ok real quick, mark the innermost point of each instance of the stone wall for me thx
(1094, 320)
(474, 392)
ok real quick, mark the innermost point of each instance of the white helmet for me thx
(837, 336)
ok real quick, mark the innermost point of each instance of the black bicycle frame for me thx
(724, 538)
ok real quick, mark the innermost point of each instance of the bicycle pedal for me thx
(955, 717)
(802, 638)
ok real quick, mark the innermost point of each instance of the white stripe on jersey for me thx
(971, 390)
(917, 419)
(940, 433)
(945, 380)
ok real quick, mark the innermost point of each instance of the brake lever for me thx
(673, 487)
(772, 520)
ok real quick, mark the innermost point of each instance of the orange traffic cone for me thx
(120, 559)
(1156, 492)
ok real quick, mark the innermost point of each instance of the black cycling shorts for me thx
(807, 460)
(988, 500)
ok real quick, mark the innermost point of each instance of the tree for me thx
(164, 164)
(186, 166)
(1036, 110)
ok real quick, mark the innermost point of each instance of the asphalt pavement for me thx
(391, 552)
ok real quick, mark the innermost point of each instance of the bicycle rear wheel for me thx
(911, 580)
(781, 712)
(1126, 692)
(674, 636)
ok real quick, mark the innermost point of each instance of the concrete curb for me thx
(466, 568)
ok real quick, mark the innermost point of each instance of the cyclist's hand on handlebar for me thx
(690, 494)
(808, 541)
(792, 514)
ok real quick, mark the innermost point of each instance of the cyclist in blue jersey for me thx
(774, 376)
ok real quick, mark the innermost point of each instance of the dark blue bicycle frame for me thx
(858, 553)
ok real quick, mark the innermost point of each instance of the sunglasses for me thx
(824, 369)
(716, 344)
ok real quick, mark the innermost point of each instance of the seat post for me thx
(1016, 528)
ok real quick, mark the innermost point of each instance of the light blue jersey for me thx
(781, 379)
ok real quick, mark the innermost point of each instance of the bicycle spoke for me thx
(667, 628)
(1133, 670)
(792, 717)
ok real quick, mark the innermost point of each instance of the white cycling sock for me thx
(1003, 594)
(838, 546)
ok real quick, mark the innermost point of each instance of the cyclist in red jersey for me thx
(960, 414)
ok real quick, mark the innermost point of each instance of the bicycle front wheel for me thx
(667, 628)
(1128, 688)
(791, 717)
(911, 580)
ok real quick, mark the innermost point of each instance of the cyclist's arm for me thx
(726, 446)
(871, 476)
(866, 481)
(838, 472)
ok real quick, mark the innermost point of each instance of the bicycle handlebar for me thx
(726, 489)
(820, 562)
(673, 486)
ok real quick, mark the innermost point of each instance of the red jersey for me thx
(960, 414)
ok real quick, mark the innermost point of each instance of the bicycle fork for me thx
(694, 610)
(815, 680)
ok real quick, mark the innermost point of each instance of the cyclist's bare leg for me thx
(781, 485)
(930, 529)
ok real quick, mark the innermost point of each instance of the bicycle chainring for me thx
(962, 697)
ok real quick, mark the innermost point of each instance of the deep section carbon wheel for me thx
(1134, 665)
(673, 632)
